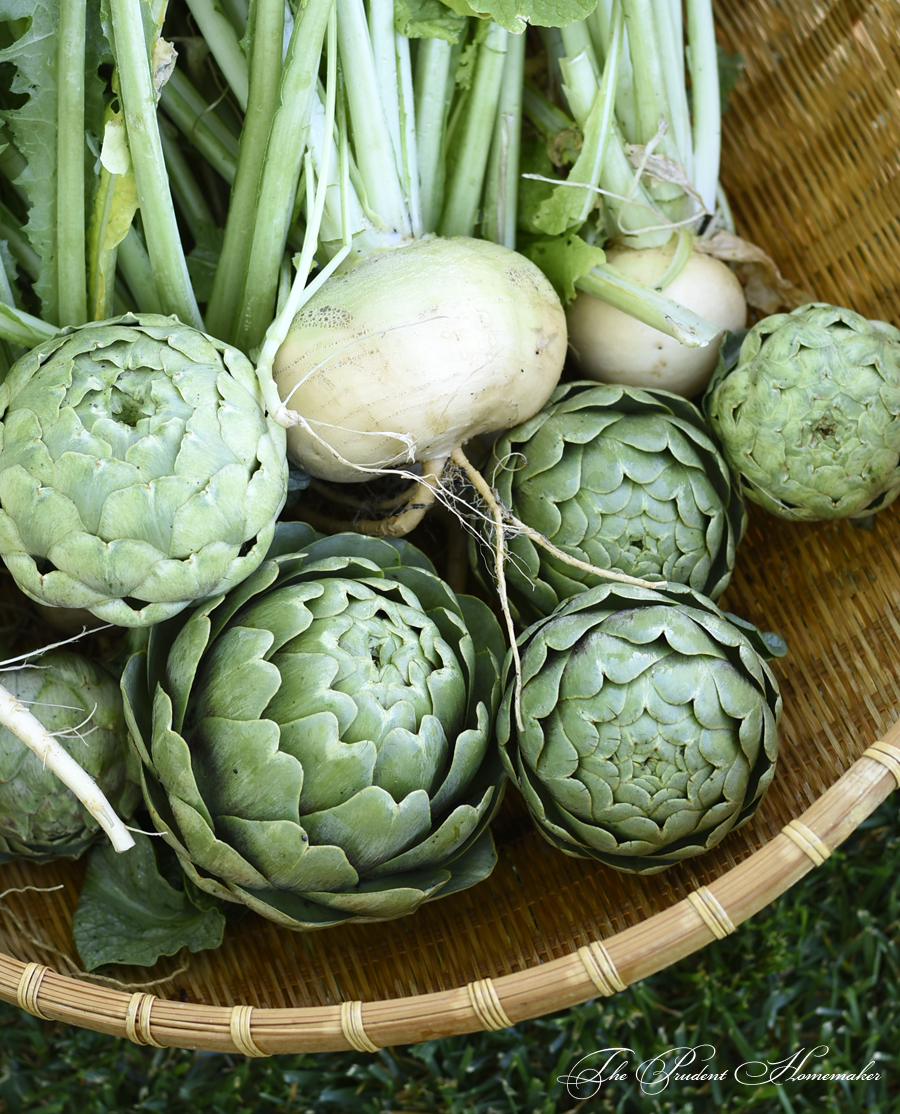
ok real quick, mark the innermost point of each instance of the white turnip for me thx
(613, 347)
(416, 351)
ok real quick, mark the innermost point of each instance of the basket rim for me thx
(601, 968)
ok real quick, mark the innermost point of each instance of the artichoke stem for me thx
(27, 727)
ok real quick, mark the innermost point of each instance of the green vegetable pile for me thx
(255, 252)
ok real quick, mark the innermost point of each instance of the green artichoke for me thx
(619, 478)
(648, 725)
(317, 744)
(77, 699)
(808, 418)
(138, 469)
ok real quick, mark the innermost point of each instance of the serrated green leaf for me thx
(515, 15)
(564, 260)
(129, 913)
(428, 19)
(33, 125)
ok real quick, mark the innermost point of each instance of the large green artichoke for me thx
(808, 418)
(619, 478)
(138, 469)
(317, 743)
(77, 699)
(649, 725)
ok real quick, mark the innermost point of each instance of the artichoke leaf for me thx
(236, 681)
(170, 757)
(409, 760)
(178, 661)
(26, 505)
(281, 850)
(371, 826)
(466, 757)
(209, 853)
(196, 577)
(239, 770)
(379, 900)
(291, 538)
(289, 910)
(209, 513)
(123, 562)
(441, 845)
(333, 770)
(137, 704)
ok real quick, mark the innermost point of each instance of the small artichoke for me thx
(648, 725)
(78, 700)
(808, 417)
(317, 744)
(619, 478)
(138, 469)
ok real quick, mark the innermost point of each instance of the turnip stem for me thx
(648, 305)
(70, 246)
(502, 187)
(707, 121)
(464, 192)
(299, 292)
(27, 727)
(19, 327)
(186, 108)
(134, 263)
(384, 56)
(192, 203)
(265, 75)
(432, 92)
(222, 40)
(409, 146)
(139, 103)
(374, 148)
(281, 172)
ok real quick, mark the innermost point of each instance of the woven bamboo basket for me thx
(812, 169)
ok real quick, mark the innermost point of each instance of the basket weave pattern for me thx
(811, 167)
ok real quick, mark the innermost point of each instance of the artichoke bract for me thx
(139, 471)
(648, 725)
(808, 417)
(78, 700)
(317, 744)
(620, 478)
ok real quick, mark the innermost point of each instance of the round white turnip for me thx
(416, 351)
(613, 347)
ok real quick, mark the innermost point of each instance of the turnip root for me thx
(416, 351)
(612, 347)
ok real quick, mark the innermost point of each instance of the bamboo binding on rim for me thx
(810, 166)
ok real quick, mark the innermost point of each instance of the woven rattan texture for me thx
(811, 167)
(811, 142)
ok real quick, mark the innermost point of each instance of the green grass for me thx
(821, 966)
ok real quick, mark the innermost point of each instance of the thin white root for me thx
(490, 498)
(462, 462)
(27, 727)
(502, 516)
(608, 574)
